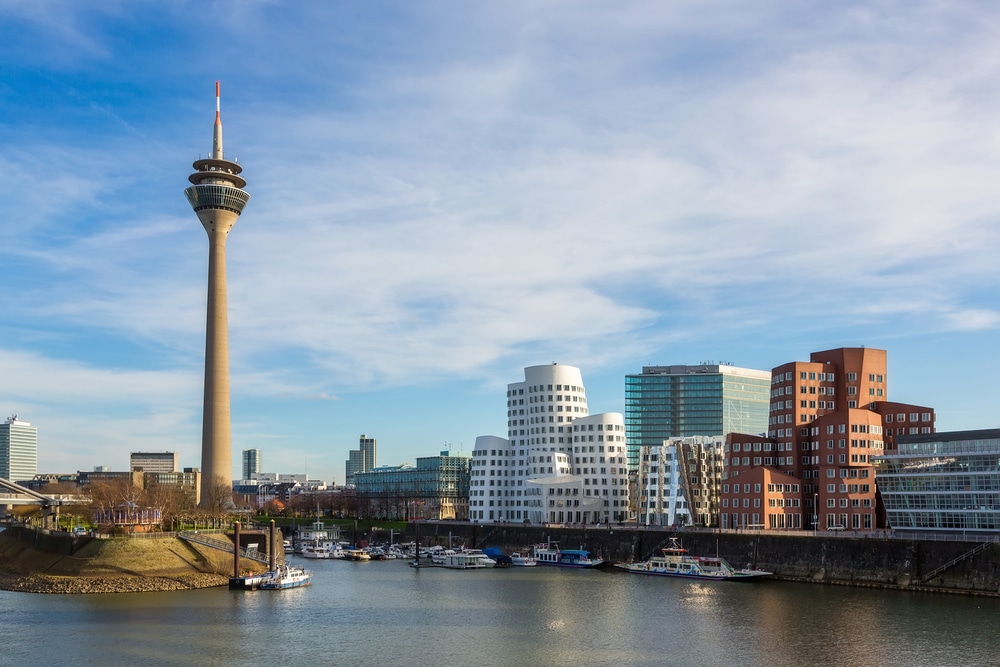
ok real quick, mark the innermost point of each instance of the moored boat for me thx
(356, 555)
(462, 560)
(675, 561)
(550, 554)
(285, 577)
(517, 559)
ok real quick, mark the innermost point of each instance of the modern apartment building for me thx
(437, 487)
(361, 459)
(813, 469)
(252, 463)
(680, 481)
(666, 402)
(153, 461)
(18, 450)
(559, 463)
(942, 482)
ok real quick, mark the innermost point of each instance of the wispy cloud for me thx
(443, 195)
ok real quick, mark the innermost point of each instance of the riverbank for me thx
(119, 565)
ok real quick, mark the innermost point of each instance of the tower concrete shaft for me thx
(218, 199)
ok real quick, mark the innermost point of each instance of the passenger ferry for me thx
(675, 561)
(550, 554)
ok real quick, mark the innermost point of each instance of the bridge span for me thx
(15, 494)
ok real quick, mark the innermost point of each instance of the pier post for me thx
(236, 549)
(274, 547)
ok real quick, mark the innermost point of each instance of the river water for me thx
(385, 613)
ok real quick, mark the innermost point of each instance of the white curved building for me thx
(559, 463)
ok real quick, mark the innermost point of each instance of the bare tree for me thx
(169, 500)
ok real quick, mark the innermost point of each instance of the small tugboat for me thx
(674, 561)
(550, 554)
(285, 577)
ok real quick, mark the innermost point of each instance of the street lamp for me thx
(815, 511)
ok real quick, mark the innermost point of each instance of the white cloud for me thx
(442, 195)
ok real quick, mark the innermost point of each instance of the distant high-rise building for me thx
(18, 450)
(559, 463)
(153, 462)
(251, 463)
(665, 402)
(361, 459)
(218, 198)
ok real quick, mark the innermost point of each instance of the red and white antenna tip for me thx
(217, 107)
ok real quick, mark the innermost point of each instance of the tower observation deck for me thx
(218, 198)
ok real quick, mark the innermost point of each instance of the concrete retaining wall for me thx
(844, 559)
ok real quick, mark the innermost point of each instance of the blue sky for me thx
(446, 192)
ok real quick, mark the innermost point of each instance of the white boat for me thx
(674, 561)
(461, 560)
(439, 556)
(550, 554)
(478, 554)
(522, 560)
(285, 577)
(356, 554)
(317, 550)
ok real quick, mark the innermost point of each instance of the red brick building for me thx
(828, 416)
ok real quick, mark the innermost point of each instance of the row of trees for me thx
(132, 504)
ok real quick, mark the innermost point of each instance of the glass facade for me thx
(942, 482)
(436, 488)
(682, 401)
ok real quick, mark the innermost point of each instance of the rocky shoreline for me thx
(41, 583)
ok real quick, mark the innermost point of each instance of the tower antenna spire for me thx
(217, 137)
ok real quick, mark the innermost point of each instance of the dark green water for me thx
(385, 613)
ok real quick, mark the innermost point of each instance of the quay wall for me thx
(845, 558)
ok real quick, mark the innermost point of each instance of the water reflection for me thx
(375, 613)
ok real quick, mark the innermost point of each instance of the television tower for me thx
(217, 196)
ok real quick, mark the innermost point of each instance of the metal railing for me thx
(227, 546)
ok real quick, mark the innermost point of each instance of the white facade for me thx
(665, 496)
(559, 464)
(18, 450)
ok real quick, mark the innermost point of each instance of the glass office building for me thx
(942, 482)
(666, 402)
(436, 488)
